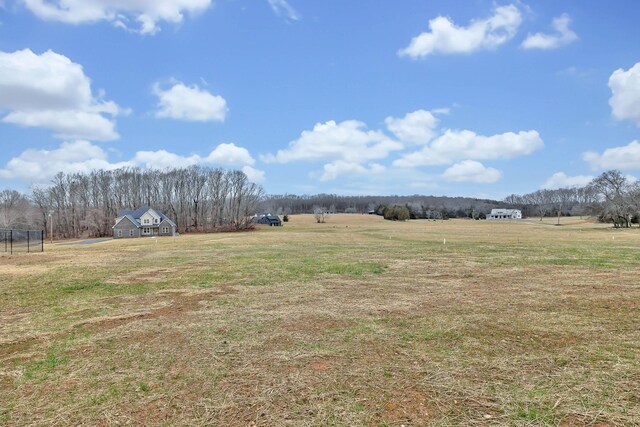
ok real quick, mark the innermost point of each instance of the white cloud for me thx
(42, 165)
(223, 154)
(348, 141)
(561, 180)
(625, 89)
(230, 154)
(472, 171)
(162, 159)
(51, 91)
(447, 38)
(625, 157)
(282, 7)
(457, 145)
(338, 168)
(147, 13)
(66, 124)
(253, 174)
(418, 127)
(37, 165)
(346, 148)
(563, 35)
(190, 103)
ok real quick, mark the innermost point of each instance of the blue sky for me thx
(472, 98)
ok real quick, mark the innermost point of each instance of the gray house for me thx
(143, 222)
(268, 219)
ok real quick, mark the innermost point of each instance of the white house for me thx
(505, 214)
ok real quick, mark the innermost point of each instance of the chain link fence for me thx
(21, 241)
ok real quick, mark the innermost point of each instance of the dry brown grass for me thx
(357, 321)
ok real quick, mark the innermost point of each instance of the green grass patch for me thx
(54, 358)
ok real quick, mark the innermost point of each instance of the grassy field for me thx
(358, 321)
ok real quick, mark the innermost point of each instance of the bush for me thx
(397, 213)
(285, 218)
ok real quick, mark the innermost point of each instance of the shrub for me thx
(285, 218)
(397, 213)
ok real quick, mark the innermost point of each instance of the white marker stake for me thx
(444, 242)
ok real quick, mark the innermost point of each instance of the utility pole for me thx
(51, 225)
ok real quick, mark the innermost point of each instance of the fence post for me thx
(28, 241)
(11, 245)
(42, 240)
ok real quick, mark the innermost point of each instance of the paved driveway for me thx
(89, 241)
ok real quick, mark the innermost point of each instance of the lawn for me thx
(357, 321)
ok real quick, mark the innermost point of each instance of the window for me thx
(165, 230)
(119, 233)
(156, 220)
(130, 233)
(146, 231)
(146, 220)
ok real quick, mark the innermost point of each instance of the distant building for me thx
(268, 219)
(143, 222)
(505, 214)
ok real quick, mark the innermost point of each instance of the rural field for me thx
(354, 322)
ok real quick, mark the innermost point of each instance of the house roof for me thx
(266, 218)
(270, 217)
(130, 218)
(504, 211)
(134, 216)
(169, 221)
(139, 212)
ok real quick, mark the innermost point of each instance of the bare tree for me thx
(13, 209)
(615, 195)
(540, 200)
(320, 214)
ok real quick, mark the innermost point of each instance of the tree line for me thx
(197, 199)
(611, 197)
(419, 206)
(203, 199)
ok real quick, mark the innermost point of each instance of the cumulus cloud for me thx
(282, 7)
(458, 145)
(346, 147)
(418, 127)
(230, 154)
(38, 165)
(625, 157)
(253, 174)
(625, 90)
(52, 92)
(223, 154)
(561, 180)
(66, 124)
(348, 141)
(340, 167)
(472, 171)
(562, 37)
(146, 13)
(162, 159)
(350, 149)
(447, 38)
(191, 103)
